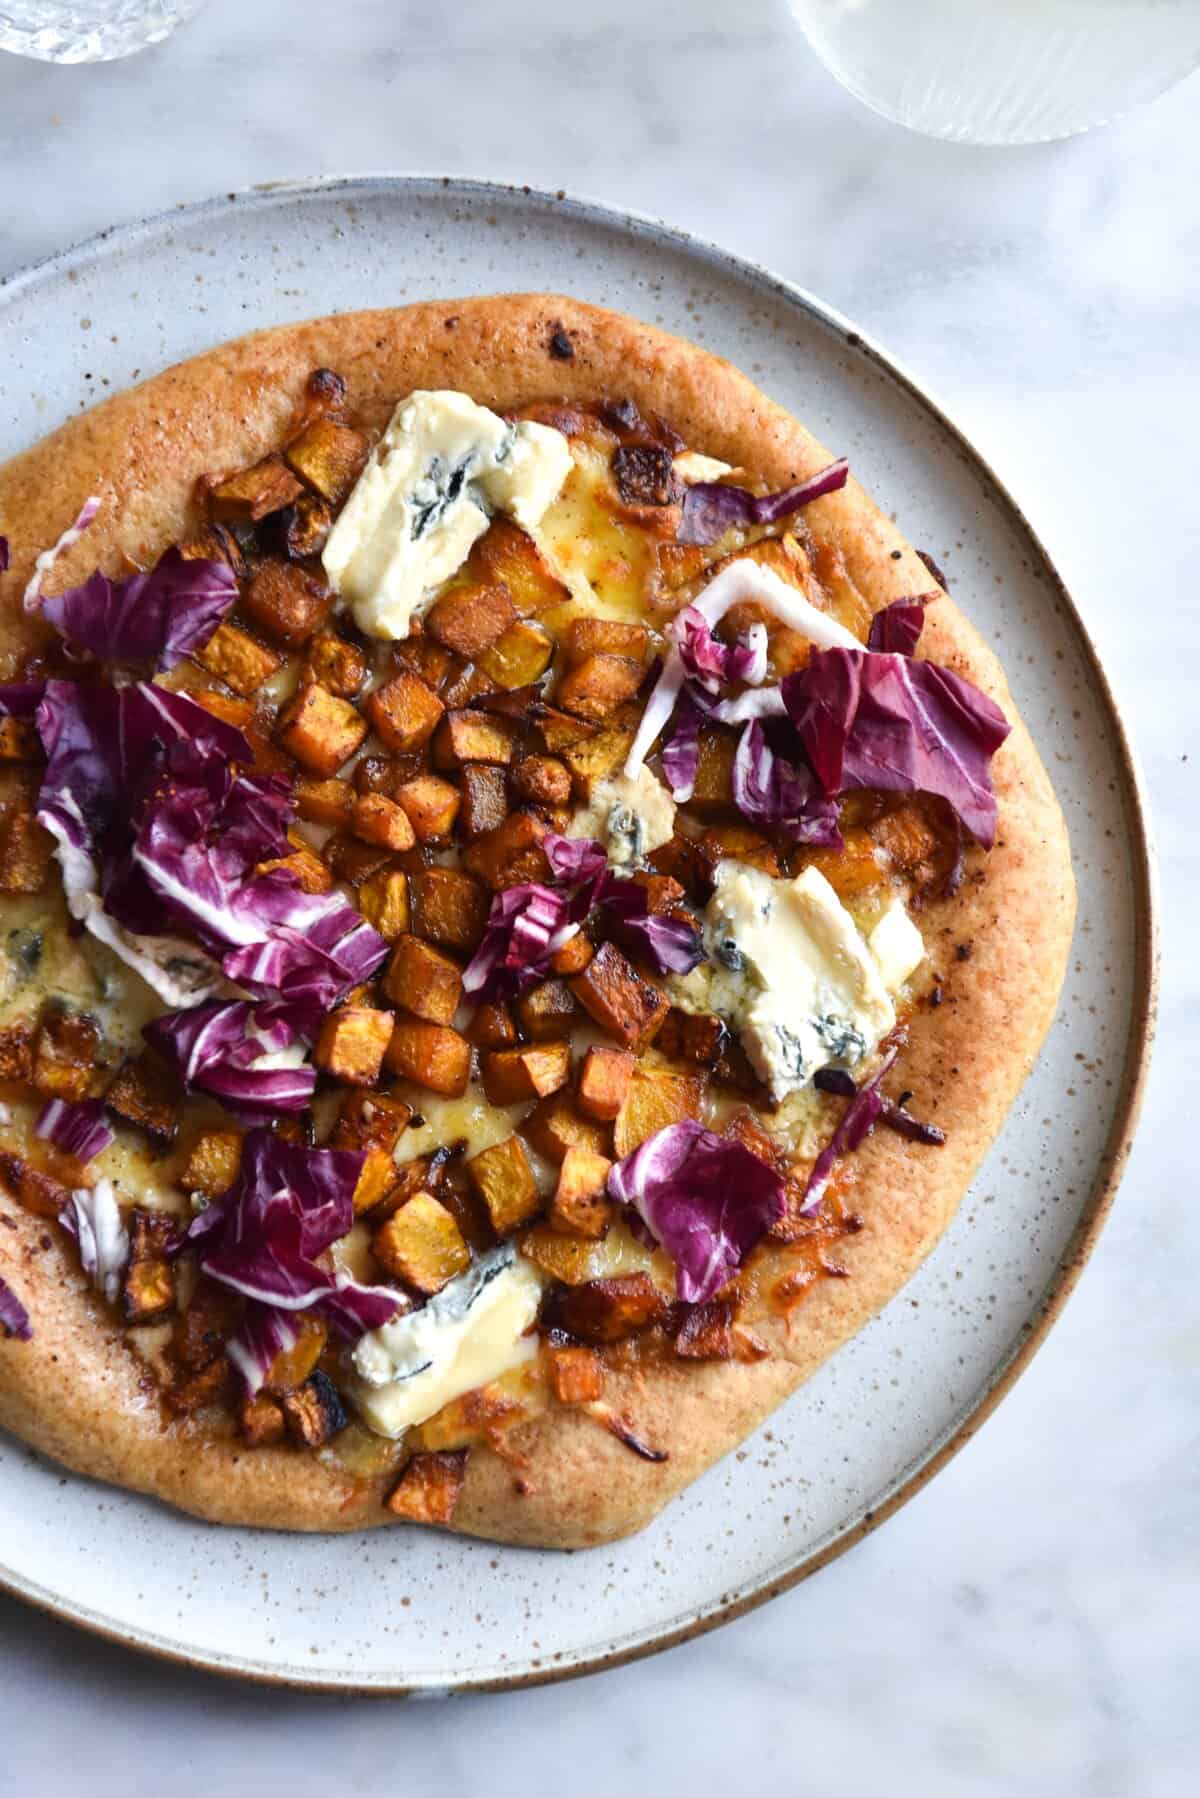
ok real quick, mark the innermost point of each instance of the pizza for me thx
(525, 904)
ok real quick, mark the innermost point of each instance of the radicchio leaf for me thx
(236, 1055)
(710, 509)
(93, 1217)
(681, 752)
(897, 629)
(77, 1129)
(14, 1319)
(158, 617)
(3, 555)
(670, 944)
(706, 1200)
(21, 698)
(857, 1122)
(711, 663)
(906, 726)
(526, 925)
(781, 793)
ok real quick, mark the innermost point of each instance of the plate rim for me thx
(1145, 905)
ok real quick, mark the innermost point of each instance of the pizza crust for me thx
(75, 1391)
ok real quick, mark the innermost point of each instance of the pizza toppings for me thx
(159, 617)
(77, 1129)
(93, 1217)
(857, 1122)
(14, 1319)
(711, 508)
(247, 1058)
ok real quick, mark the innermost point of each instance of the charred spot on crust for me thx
(561, 347)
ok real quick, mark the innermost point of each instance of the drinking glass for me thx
(88, 30)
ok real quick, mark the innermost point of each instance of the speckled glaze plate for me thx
(409, 1611)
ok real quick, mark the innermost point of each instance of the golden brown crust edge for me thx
(75, 1391)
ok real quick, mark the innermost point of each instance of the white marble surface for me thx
(1028, 1622)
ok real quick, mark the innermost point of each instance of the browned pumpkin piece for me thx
(579, 1206)
(597, 757)
(304, 864)
(556, 1125)
(714, 771)
(653, 1101)
(16, 1051)
(329, 457)
(510, 1075)
(448, 907)
(504, 1181)
(64, 1054)
(858, 868)
(260, 1420)
(679, 859)
(422, 1245)
(734, 842)
(354, 861)
(559, 731)
(214, 543)
(520, 656)
(287, 602)
(472, 736)
(336, 664)
(573, 956)
(568, 1258)
(619, 999)
(314, 1413)
(420, 655)
(466, 683)
(543, 780)
(351, 1044)
(25, 851)
(605, 1310)
(368, 1120)
(506, 554)
(19, 740)
(547, 1011)
(292, 1366)
(320, 730)
(431, 1055)
(238, 712)
(604, 1081)
(238, 659)
(376, 1181)
(189, 1393)
(404, 712)
(432, 806)
(511, 854)
(576, 1375)
(212, 1163)
(383, 902)
(469, 617)
(378, 819)
(422, 980)
(148, 1291)
(697, 1038)
(253, 493)
(199, 1333)
(705, 1332)
(484, 800)
(324, 801)
(596, 687)
(663, 894)
(492, 1027)
(33, 1190)
(605, 636)
(428, 1489)
(146, 1095)
(304, 526)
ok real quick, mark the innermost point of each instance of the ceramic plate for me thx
(411, 1611)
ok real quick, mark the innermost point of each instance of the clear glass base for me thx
(88, 30)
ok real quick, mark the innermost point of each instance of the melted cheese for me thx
(897, 945)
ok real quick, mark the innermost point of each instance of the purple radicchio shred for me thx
(897, 628)
(14, 1319)
(671, 944)
(891, 1112)
(900, 725)
(774, 789)
(4, 555)
(223, 1048)
(78, 1129)
(21, 698)
(526, 925)
(160, 617)
(710, 662)
(93, 1217)
(704, 1199)
(710, 508)
(681, 751)
(857, 1122)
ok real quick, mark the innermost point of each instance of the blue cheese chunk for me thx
(441, 468)
(631, 816)
(897, 945)
(471, 1333)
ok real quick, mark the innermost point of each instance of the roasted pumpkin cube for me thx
(148, 1290)
(192, 1392)
(25, 851)
(292, 1366)
(580, 1206)
(472, 736)
(368, 1120)
(698, 1038)
(430, 1055)
(260, 1420)
(663, 893)
(573, 1259)
(469, 617)
(314, 1413)
(432, 806)
(383, 902)
(199, 1333)
(619, 999)
(511, 854)
(16, 1051)
(492, 1027)
(33, 1190)
(605, 636)
(287, 602)
(605, 1310)
(212, 1163)
(420, 655)
(533, 1072)
(304, 526)
(484, 800)
(596, 687)
(376, 1180)
(146, 1095)
(404, 712)
(604, 1081)
(559, 731)
(336, 664)
(238, 659)
(328, 456)
(573, 956)
(599, 756)
(542, 780)
(713, 790)
(253, 493)
(428, 1489)
(324, 801)
(556, 1125)
(238, 712)
(518, 658)
(576, 1375)
(214, 543)
(19, 740)
(448, 907)
(505, 553)
(653, 1101)
(680, 860)
(422, 1245)
(547, 1011)
(705, 1332)
(352, 860)
(504, 1181)
(734, 842)
(423, 981)
(351, 1044)
(304, 864)
(320, 730)
(64, 1054)
(377, 819)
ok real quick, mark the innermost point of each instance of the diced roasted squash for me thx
(432, 806)
(314, 1412)
(604, 1081)
(383, 902)
(354, 861)
(370, 1119)
(573, 956)
(714, 771)
(579, 1206)
(663, 893)
(292, 1366)
(467, 735)
(547, 1010)
(404, 712)
(680, 860)
(596, 687)
(19, 740)
(605, 636)
(376, 1180)
(192, 1392)
(506, 554)
(422, 1245)
(559, 731)
(484, 800)
(377, 819)
(470, 616)
(212, 1163)
(336, 664)
(543, 780)
(448, 907)
(260, 1420)
(576, 1375)
(238, 659)
(504, 1181)
(304, 526)
(521, 656)
(199, 1333)
(324, 801)
(492, 1027)
(420, 655)
(320, 730)
(556, 1125)
(287, 602)
(510, 1075)
(252, 493)
(328, 456)
(16, 1051)
(654, 1100)
(430, 1055)
(147, 1095)
(573, 1259)
(605, 1310)
(33, 1190)
(734, 842)
(600, 755)
(304, 864)
(428, 1489)
(697, 1038)
(351, 1044)
(25, 851)
(422, 980)
(705, 1332)
(511, 854)
(621, 1000)
(148, 1291)
(64, 1053)
(214, 543)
